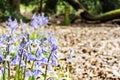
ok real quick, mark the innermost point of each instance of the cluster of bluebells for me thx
(38, 21)
(19, 50)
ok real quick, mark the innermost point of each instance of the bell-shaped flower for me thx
(1, 58)
(30, 57)
(36, 73)
(38, 21)
(54, 60)
(11, 25)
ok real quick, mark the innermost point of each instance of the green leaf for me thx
(31, 78)
(16, 74)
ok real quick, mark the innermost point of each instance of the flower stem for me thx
(7, 49)
(4, 73)
(8, 71)
(46, 69)
(25, 69)
(68, 70)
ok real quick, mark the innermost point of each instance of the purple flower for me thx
(8, 58)
(28, 73)
(53, 47)
(36, 43)
(54, 59)
(39, 54)
(30, 57)
(2, 70)
(51, 38)
(1, 58)
(3, 38)
(12, 25)
(69, 56)
(36, 73)
(15, 60)
(38, 21)
(44, 61)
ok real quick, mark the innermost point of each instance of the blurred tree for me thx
(93, 6)
(14, 8)
(114, 14)
(108, 5)
(10, 8)
(50, 6)
(41, 6)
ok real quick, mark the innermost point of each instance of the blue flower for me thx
(36, 73)
(1, 58)
(54, 47)
(28, 73)
(54, 59)
(8, 58)
(12, 25)
(69, 56)
(15, 60)
(30, 57)
(38, 21)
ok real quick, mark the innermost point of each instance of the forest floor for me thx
(95, 50)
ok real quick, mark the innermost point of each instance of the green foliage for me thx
(4, 8)
(108, 5)
(29, 2)
(93, 6)
(100, 6)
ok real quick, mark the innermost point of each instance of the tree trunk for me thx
(114, 14)
(50, 6)
(108, 5)
(40, 6)
(14, 7)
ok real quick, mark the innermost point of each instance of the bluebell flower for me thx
(53, 47)
(28, 73)
(22, 44)
(54, 60)
(36, 73)
(3, 38)
(30, 57)
(1, 58)
(15, 60)
(44, 39)
(38, 21)
(22, 63)
(8, 58)
(23, 25)
(2, 70)
(36, 43)
(51, 38)
(11, 25)
(43, 60)
(69, 56)
(50, 68)
(37, 65)
(39, 53)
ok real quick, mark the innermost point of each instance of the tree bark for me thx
(110, 15)
(14, 8)
(50, 6)
(40, 6)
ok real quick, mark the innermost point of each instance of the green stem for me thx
(46, 69)
(4, 74)
(68, 71)
(25, 69)
(7, 49)
(19, 68)
(8, 71)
